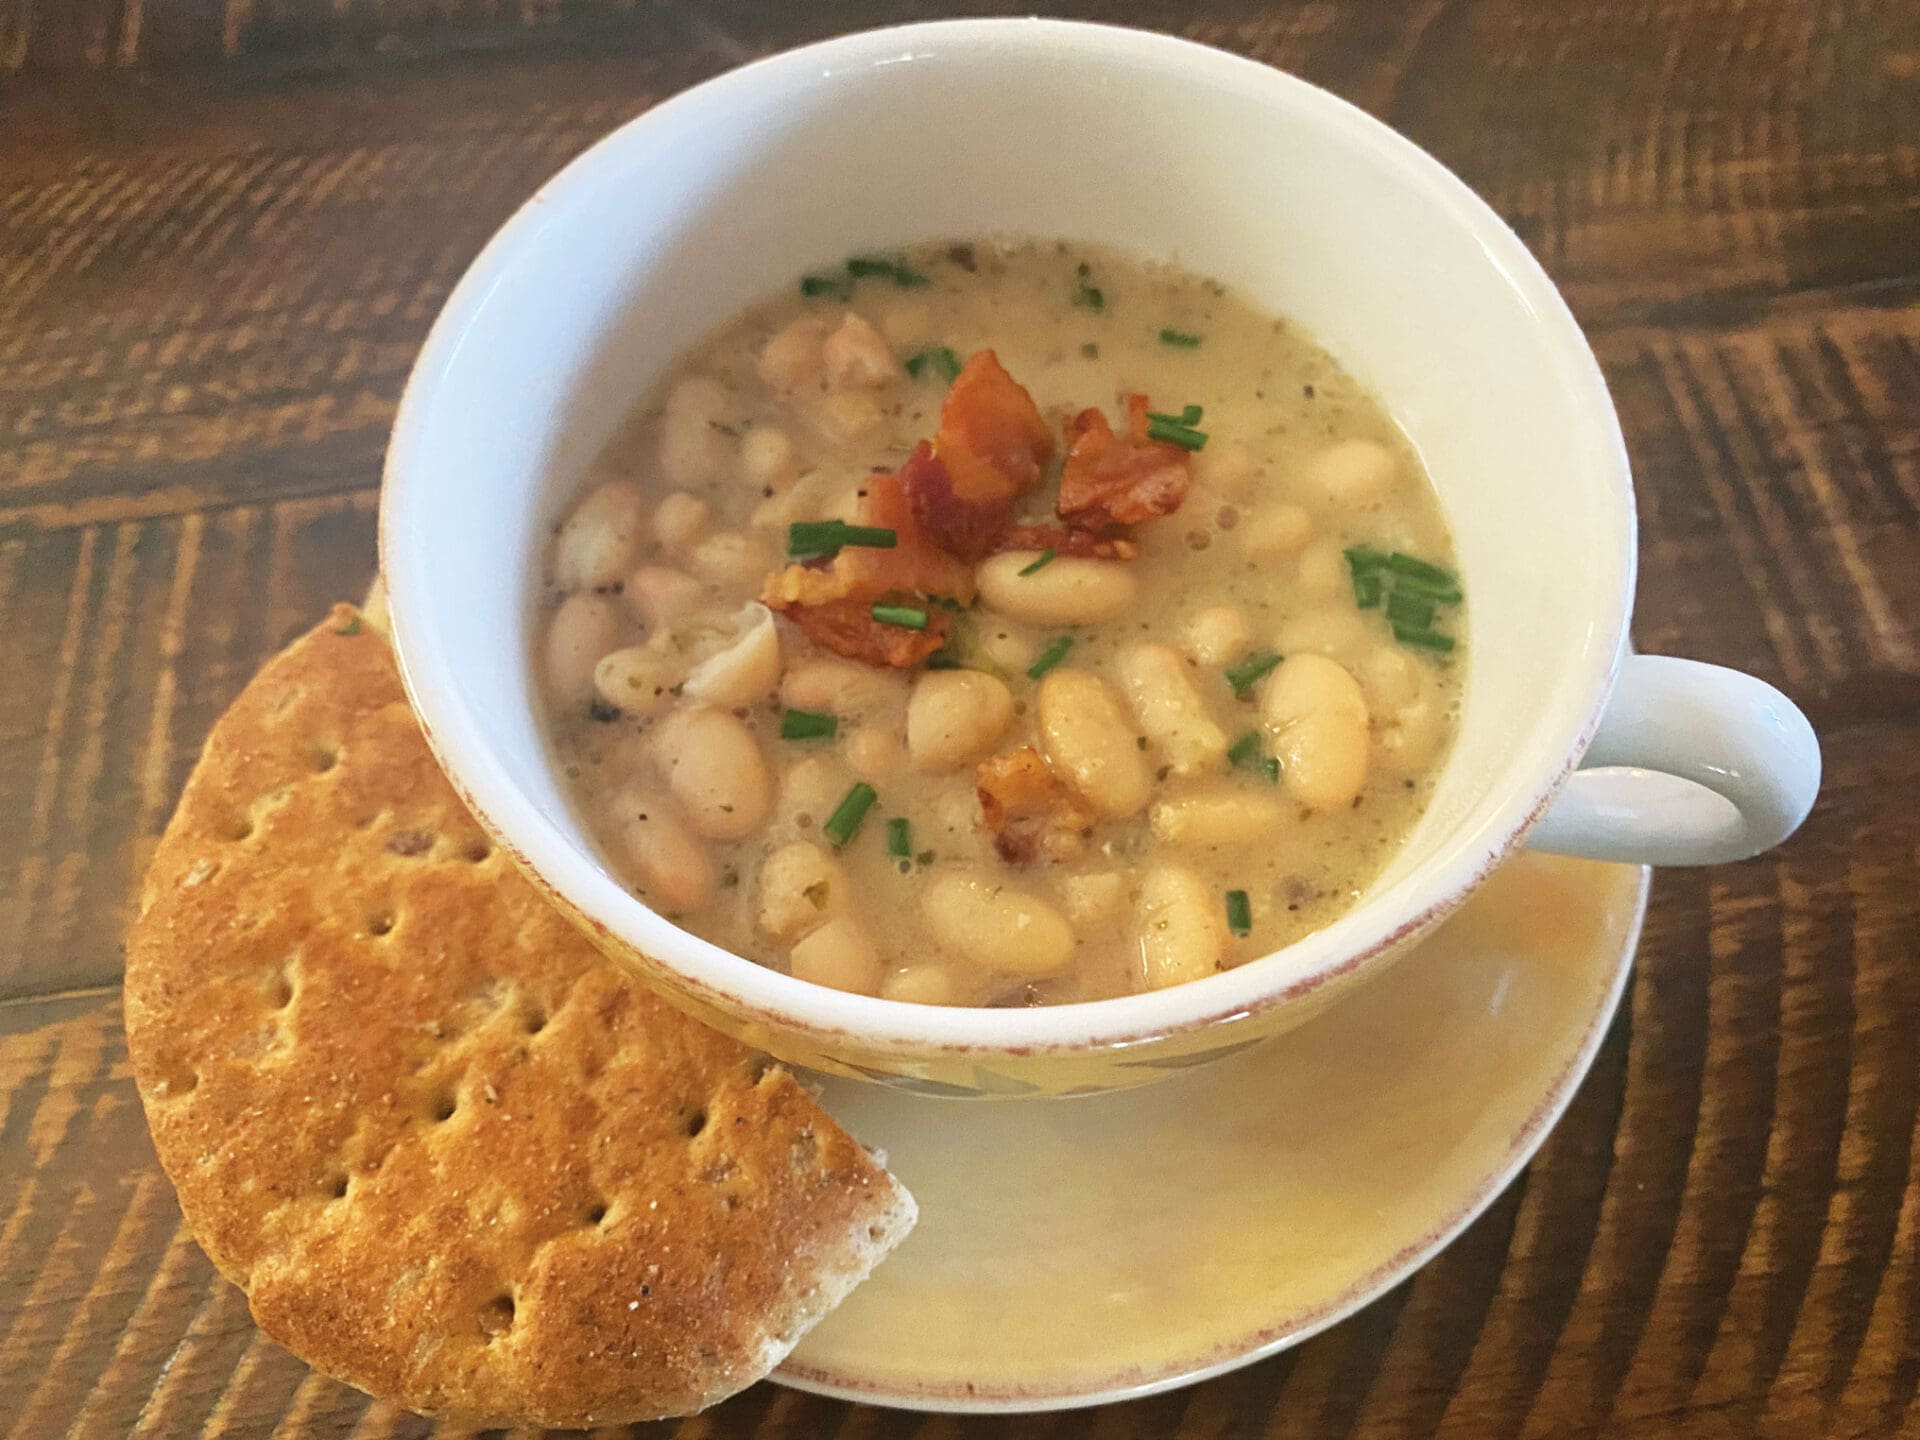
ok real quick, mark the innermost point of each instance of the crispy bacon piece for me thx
(1064, 541)
(1031, 813)
(916, 561)
(847, 628)
(992, 440)
(968, 529)
(1111, 481)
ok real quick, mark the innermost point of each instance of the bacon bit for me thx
(1112, 481)
(846, 627)
(1030, 812)
(1064, 541)
(969, 529)
(992, 438)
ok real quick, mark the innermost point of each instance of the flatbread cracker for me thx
(454, 1156)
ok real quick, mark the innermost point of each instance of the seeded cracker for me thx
(454, 1157)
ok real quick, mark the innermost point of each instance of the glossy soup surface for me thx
(1084, 774)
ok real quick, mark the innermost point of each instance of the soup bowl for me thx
(1566, 740)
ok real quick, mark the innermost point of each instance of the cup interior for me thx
(1155, 146)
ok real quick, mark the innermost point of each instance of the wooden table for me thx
(223, 232)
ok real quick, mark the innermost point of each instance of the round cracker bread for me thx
(454, 1156)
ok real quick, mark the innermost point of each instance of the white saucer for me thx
(1072, 1252)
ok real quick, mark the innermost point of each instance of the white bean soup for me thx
(1002, 623)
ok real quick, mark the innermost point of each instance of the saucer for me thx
(1074, 1252)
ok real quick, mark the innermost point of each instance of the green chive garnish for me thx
(1050, 657)
(845, 820)
(1423, 639)
(861, 266)
(1087, 297)
(816, 285)
(1041, 561)
(1188, 416)
(1244, 751)
(1239, 912)
(1364, 560)
(900, 838)
(1270, 769)
(1248, 672)
(1184, 339)
(1410, 610)
(1429, 580)
(1367, 588)
(943, 361)
(907, 617)
(826, 537)
(806, 725)
(1161, 427)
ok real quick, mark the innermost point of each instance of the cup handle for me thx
(1693, 764)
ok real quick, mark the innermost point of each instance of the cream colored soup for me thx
(1201, 804)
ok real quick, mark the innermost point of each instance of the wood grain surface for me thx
(224, 228)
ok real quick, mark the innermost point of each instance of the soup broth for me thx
(892, 644)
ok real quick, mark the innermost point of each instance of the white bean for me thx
(801, 885)
(583, 628)
(1171, 712)
(732, 561)
(597, 542)
(1336, 631)
(1216, 635)
(1089, 742)
(638, 679)
(1224, 465)
(1321, 571)
(1410, 720)
(955, 715)
(767, 458)
(838, 955)
(714, 769)
(874, 753)
(1276, 530)
(1317, 718)
(1353, 474)
(812, 786)
(1390, 678)
(929, 984)
(663, 596)
(1183, 927)
(747, 669)
(844, 417)
(791, 360)
(1069, 590)
(1228, 815)
(1093, 898)
(833, 686)
(857, 357)
(676, 872)
(995, 926)
(680, 520)
(693, 450)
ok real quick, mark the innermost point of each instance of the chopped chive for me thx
(942, 360)
(847, 815)
(1050, 657)
(1160, 427)
(1442, 585)
(1190, 415)
(900, 838)
(1239, 912)
(907, 617)
(862, 266)
(815, 285)
(1086, 296)
(1364, 560)
(825, 537)
(1245, 750)
(1044, 559)
(1183, 339)
(1442, 593)
(1242, 677)
(1368, 586)
(1410, 609)
(1423, 639)
(806, 725)
(1270, 769)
